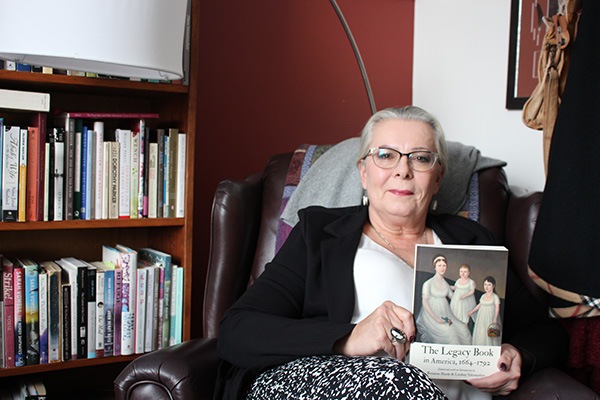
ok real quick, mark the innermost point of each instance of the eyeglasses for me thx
(422, 160)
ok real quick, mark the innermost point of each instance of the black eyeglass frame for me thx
(436, 157)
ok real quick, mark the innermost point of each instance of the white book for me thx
(180, 201)
(43, 315)
(124, 138)
(10, 172)
(98, 167)
(153, 181)
(22, 175)
(140, 310)
(100, 312)
(59, 170)
(105, 180)
(173, 305)
(179, 307)
(20, 100)
(151, 300)
(134, 182)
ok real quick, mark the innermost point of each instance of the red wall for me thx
(276, 74)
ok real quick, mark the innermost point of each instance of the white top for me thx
(380, 275)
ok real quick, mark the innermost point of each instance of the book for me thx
(22, 203)
(180, 176)
(86, 172)
(179, 307)
(134, 171)
(98, 166)
(118, 307)
(35, 171)
(2, 355)
(9, 311)
(143, 181)
(43, 315)
(32, 311)
(151, 331)
(19, 313)
(126, 259)
(123, 136)
(152, 180)
(53, 273)
(100, 309)
(10, 172)
(171, 173)
(173, 306)
(108, 271)
(67, 331)
(113, 194)
(77, 169)
(90, 298)
(160, 184)
(58, 174)
(46, 201)
(164, 260)
(68, 125)
(452, 341)
(21, 100)
(140, 310)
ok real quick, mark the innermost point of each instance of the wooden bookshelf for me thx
(41, 241)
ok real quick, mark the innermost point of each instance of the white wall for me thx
(460, 74)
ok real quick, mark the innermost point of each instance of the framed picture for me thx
(527, 30)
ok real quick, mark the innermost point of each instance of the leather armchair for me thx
(243, 231)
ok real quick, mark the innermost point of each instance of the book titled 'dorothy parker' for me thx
(458, 305)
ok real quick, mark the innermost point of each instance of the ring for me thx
(397, 336)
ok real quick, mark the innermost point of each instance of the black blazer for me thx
(303, 302)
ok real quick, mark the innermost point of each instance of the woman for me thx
(340, 288)
(436, 322)
(463, 298)
(488, 312)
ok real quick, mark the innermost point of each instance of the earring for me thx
(365, 200)
(434, 205)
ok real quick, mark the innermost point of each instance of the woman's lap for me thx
(341, 377)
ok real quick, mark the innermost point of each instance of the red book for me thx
(35, 168)
(9, 312)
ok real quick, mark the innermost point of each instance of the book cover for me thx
(21, 100)
(99, 166)
(10, 172)
(19, 303)
(54, 313)
(9, 311)
(140, 310)
(22, 207)
(43, 313)
(458, 303)
(162, 259)
(90, 298)
(180, 173)
(35, 171)
(123, 137)
(59, 171)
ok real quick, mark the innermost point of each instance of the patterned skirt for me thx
(341, 377)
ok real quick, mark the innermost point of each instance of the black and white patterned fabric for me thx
(341, 377)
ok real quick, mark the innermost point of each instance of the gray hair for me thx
(410, 113)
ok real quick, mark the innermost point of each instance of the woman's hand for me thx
(372, 334)
(507, 379)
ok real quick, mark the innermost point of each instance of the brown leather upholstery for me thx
(243, 231)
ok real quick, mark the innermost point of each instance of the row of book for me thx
(24, 388)
(131, 302)
(80, 170)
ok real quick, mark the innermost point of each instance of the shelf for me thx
(63, 365)
(92, 224)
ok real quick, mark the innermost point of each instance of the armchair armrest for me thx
(551, 383)
(184, 371)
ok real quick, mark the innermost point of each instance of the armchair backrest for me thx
(244, 227)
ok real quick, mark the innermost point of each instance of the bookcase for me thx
(175, 104)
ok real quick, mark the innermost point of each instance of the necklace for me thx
(392, 246)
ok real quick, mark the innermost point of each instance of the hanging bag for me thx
(541, 108)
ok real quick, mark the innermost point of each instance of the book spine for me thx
(143, 178)
(140, 310)
(84, 173)
(161, 308)
(50, 175)
(35, 174)
(166, 181)
(10, 173)
(180, 185)
(173, 305)
(172, 179)
(124, 138)
(118, 311)
(128, 305)
(59, 168)
(44, 308)
(134, 178)
(32, 315)
(66, 322)
(22, 207)
(9, 315)
(69, 169)
(109, 313)
(152, 182)
(179, 307)
(99, 164)
(46, 181)
(149, 308)
(19, 303)
(114, 186)
(90, 276)
(54, 317)
(160, 184)
(89, 138)
(77, 176)
(100, 312)
(81, 313)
